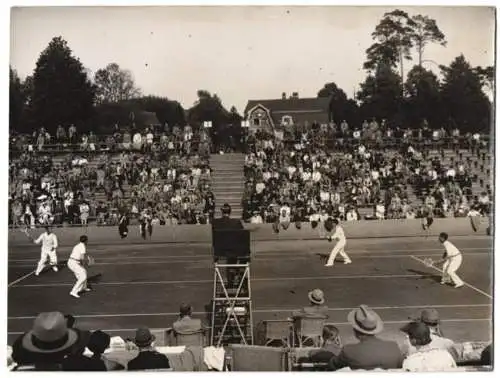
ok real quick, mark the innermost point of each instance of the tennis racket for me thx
(90, 261)
(25, 231)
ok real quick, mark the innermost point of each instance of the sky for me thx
(240, 53)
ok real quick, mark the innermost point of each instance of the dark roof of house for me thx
(298, 108)
(291, 104)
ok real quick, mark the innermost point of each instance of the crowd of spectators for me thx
(165, 175)
(55, 343)
(329, 171)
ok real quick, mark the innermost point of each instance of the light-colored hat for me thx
(50, 334)
(429, 316)
(317, 296)
(365, 320)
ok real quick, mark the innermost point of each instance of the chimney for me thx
(295, 95)
(283, 96)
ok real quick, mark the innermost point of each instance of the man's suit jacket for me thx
(370, 353)
(187, 326)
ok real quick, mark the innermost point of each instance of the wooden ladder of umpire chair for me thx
(232, 320)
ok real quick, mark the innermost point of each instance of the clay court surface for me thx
(143, 284)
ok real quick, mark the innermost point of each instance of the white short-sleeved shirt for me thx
(451, 250)
(427, 360)
(339, 234)
(285, 212)
(48, 241)
(78, 252)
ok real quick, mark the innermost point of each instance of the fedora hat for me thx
(50, 334)
(365, 320)
(317, 296)
(143, 337)
(430, 316)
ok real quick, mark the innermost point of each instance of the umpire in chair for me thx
(226, 223)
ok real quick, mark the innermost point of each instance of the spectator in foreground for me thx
(371, 352)
(332, 345)
(98, 343)
(46, 345)
(316, 309)
(186, 325)
(148, 357)
(430, 317)
(426, 358)
(486, 355)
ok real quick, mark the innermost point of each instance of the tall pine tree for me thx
(62, 92)
(463, 98)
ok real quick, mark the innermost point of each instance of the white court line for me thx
(465, 283)
(205, 258)
(21, 278)
(267, 251)
(264, 311)
(336, 323)
(253, 279)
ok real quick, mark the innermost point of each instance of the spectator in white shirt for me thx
(352, 215)
(426, 358)
(316, 176)
(137, 141)
(380, 210)
(256, 218)
(259, 187)
(324, 196)
(451, 173)
(306, 175)
(291, 171)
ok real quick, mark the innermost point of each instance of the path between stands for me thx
(388, 275)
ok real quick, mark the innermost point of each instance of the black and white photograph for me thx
(268, 188)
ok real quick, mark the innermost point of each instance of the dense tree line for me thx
(61, 91)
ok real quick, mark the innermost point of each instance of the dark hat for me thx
(50, 334)
(316, 296)
(365, 320)
(99, 342)
(226, 209)
(419, 332)
(143, 337)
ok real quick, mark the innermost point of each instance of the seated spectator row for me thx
(313, 183)
(71, 190)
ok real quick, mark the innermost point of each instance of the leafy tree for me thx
(464, 101)
(380, 94)
(17, 100)
(487, 77)
(341, 108)
(234, 117)
(208, 107)
(425, 31)
(62, 92)
(393, 36)
(114, 84)
(423, 101)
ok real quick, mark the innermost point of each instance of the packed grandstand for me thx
(371, 173)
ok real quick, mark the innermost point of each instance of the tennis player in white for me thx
(452, 259)
(339, 247)
(49, 245)
(76, 264)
